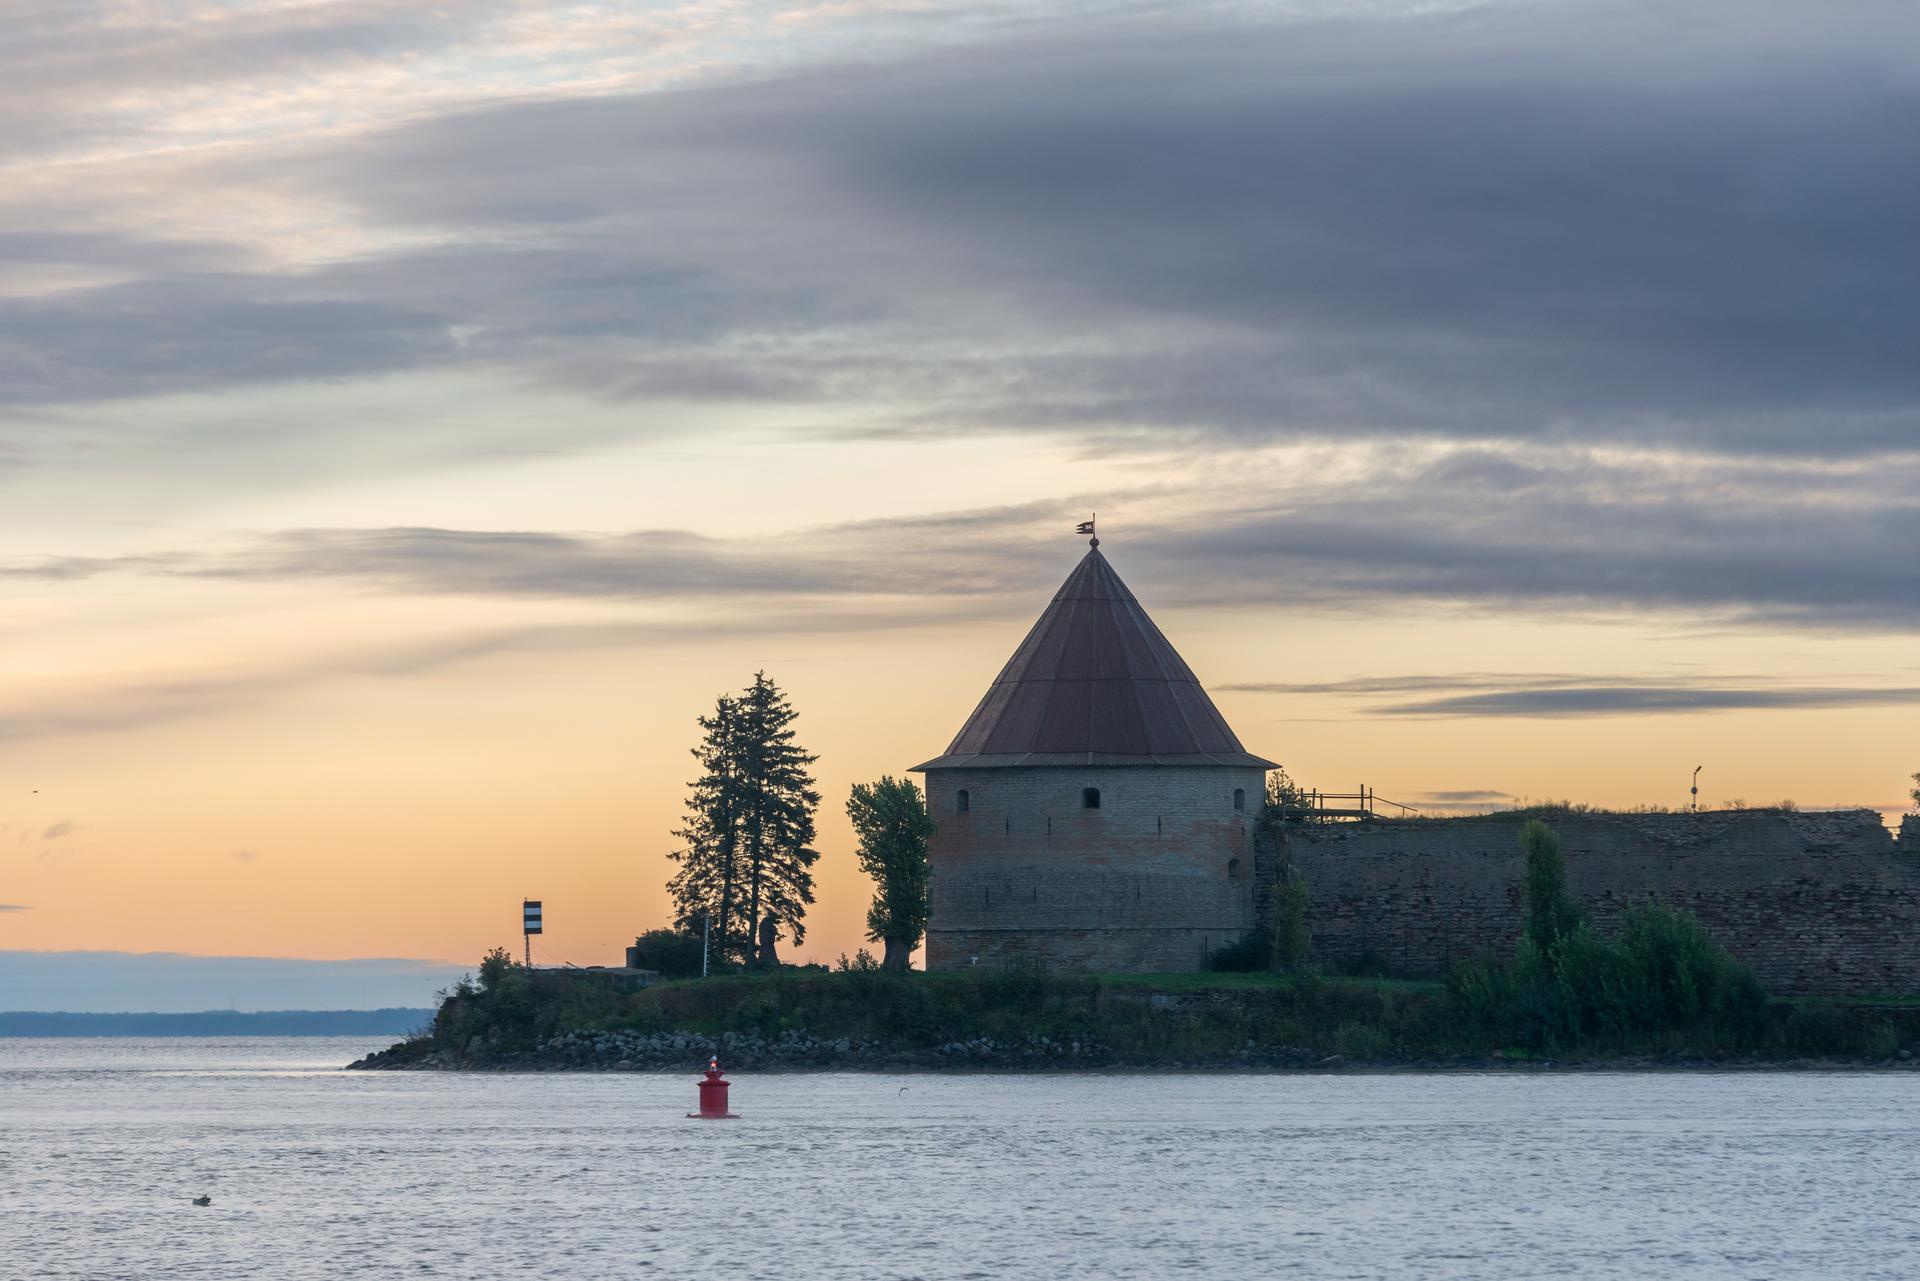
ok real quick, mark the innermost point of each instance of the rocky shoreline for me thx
(601, 1051)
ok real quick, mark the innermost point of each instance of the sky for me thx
(412, 417)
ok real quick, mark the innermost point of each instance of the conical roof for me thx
(1095, 683)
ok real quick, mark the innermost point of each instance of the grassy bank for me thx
(1028, 1019)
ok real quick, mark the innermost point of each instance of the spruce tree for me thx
(705, 890)
(748, 835)
(890, 818)
(777, 803)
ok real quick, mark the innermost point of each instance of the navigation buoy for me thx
(713, 1095)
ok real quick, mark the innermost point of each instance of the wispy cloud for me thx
(55, 831)
(1629, 699)
(1763, 543)
(14, 907)
(1563, 695)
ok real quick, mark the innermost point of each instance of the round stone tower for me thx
(1095, 812)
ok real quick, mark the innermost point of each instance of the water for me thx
(317, 1172)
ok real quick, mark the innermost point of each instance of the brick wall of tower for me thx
(1156, 878)
(1817, 903)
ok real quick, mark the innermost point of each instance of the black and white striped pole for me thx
(530, 925)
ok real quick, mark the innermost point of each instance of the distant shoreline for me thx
(395, 1021)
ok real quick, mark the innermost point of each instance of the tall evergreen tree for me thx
(705, 890)
(890, 818)
(748, 835)
(777, 803)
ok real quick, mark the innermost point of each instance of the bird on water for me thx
(203, 1200)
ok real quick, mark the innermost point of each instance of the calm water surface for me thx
(317, 1172)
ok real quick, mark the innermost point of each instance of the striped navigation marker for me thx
(529, 925)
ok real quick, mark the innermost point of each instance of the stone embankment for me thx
(596, 1051)
(793, 1051)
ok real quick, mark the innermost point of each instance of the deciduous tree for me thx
(891, 821)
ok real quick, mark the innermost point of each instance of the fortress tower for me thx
(1095, 812)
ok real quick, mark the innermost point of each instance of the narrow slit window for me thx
(1233, 869)
(962, 802)
(1089, 798)
(1239, 800)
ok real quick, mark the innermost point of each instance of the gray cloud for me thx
(1534, 220)
(1485, 694)
(14, 907)
(57, 830)
(1572, 222)
(73, 70)
(190, 333)
(137, 706)
(1630, 699)
(1532, 530)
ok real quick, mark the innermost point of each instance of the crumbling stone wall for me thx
(1157, 878)
(1817, 903)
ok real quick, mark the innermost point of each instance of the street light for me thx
(1696, 787)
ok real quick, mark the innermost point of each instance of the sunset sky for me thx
(412, 417)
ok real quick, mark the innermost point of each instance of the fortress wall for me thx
(1816, 903)
(1155, 879)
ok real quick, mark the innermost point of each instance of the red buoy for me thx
(713, 1094)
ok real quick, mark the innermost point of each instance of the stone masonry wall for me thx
(1816, 903)
(1155, 879)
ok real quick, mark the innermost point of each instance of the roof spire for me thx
(1095, 683)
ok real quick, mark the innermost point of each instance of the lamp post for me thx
(1696, 787)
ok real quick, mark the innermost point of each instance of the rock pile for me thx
(626, 1051)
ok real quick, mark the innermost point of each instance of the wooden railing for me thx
(1315, 806)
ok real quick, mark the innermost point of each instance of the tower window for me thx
(1089, 798)
(1239, 800)
(1233, 869)
(962, 802)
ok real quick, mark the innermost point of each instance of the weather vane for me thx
(1086, 527)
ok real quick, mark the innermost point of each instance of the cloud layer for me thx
(1560, 222)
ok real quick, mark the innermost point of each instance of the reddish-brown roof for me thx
(1095, 683)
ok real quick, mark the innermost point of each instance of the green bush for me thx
(1291, 937)
(1662, 982)
(1362, 1041)
(1881, 1041)
(1814, 1028)
(674, 954)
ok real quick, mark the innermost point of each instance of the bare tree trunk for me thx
(898, 953)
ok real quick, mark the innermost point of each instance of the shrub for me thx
(1290, 934)
(1816, 1028)
(1569, 988)
(1881, 1041)
(676, 954)
(1552, 913)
